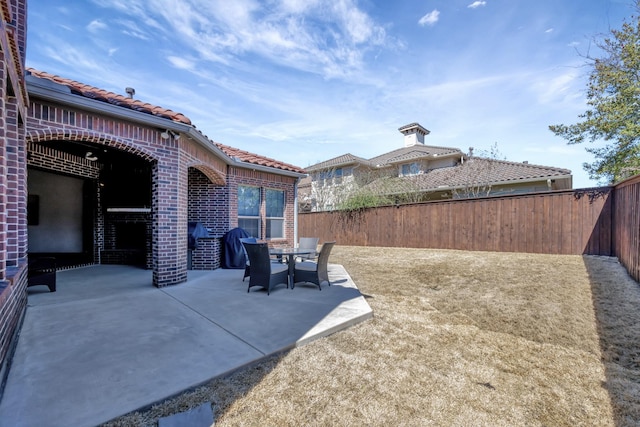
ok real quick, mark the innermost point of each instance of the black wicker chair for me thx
(264, 272)
(247, 264)
(314, 272)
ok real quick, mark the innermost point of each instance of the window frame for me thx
(256, 218)
(264, 219)
(413, 168)
(269, 219)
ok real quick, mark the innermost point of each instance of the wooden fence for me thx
(595, 221)
(626, 225)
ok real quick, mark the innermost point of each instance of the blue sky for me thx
(303, 81)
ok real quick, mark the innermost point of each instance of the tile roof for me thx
(413, 153)
(481, 171)
(343, 160)
(246, 156)
(98, 94)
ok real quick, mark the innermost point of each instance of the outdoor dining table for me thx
(291, 253)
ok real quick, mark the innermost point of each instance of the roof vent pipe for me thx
(130, 91)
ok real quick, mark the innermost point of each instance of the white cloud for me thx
(96, 25)
(132, 29)
(430, 18)
(181, 63)
(476, 4)
(560, 89)
(549, 30)
(326, 37)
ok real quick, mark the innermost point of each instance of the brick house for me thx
(420, 172)
(93, 177)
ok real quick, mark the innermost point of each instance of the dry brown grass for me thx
(458, 338)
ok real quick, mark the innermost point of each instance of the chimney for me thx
(413, 134)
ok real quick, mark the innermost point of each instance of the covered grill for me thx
(232, 253)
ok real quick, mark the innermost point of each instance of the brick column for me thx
(16, 186)
(3, 170)
(170, 222)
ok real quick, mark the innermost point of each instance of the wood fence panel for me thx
(563, 222)
(576, 225)
(626, 225)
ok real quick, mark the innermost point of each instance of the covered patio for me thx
(108, 342)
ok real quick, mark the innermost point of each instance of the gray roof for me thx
(414, 152)
(343, 160)
(480, 170)
(404, 154)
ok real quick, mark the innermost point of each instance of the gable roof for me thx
(414, 152)
(102, 95)
(343, 160)
(404, 154)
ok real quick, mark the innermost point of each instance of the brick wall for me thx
(264, 180)
(47, 158)
(13, 237)
(207, 205)
(49, 122)
(117, 227)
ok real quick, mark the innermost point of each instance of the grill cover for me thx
(232, 253)
(196, 231)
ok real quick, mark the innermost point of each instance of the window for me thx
(410, 169)
(275, 213)
(249, 209)
(337, 176)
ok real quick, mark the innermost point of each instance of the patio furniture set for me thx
(301, 264)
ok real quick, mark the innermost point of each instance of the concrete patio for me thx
(108, 342)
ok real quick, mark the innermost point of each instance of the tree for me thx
(382, 187)
(613, 97)
(478, 173)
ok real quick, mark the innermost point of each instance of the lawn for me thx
(457, 338)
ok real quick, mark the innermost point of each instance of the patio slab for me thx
(108, 342)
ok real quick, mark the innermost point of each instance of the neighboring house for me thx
(94, 177)
(419, 172)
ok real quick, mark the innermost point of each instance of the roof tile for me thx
(482, 171)
(343, 160)
(412, 153)
(98, 94)
(248, 157)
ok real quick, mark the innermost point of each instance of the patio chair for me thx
(247, 264)
(308, 243)
(264, 272)
(314, 272)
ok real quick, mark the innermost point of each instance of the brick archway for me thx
(73, 135)
(216, 177)
(107, 234)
